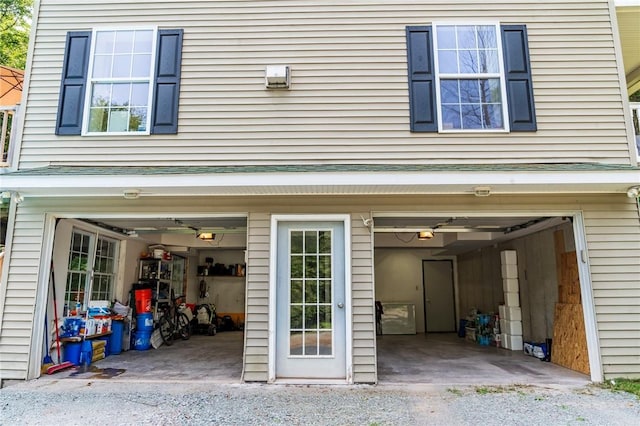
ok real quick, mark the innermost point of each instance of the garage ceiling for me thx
(452, 235)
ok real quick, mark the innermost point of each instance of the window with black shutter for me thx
(465, 77)
(120, 82)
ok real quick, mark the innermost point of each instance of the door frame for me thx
(273, 247)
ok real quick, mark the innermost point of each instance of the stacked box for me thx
(510, 313)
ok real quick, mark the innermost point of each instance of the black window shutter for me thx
(74, 81)
(166, 90)
(522, 112)
(422, 93)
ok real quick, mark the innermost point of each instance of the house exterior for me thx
(393, 109)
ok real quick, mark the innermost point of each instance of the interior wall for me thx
(227, 293)
(480, 280)
(398, 278)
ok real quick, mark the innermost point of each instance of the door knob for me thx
(340, 305)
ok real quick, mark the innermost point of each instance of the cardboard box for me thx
(514, 343)
(509, 271)
(504, 341)
(509, 257)
(512, 327)
(510, 285)
(512, 299)
(512, 313)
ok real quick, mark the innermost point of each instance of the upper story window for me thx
(470, 84)
(470, 78)
(121, 78)
(120, 82)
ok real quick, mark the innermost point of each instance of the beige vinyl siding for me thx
(20, 294)
(362, 301)
(349, 97)
(256, 354)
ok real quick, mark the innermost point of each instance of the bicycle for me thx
(173, 323)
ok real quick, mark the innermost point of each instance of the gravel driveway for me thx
(76, 402)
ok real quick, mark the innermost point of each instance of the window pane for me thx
(98, 119)
(138, 120)
(295, 343)
(325, 317)
(493, 116)
(296, 317)
(311, 343)
(311, 242)
(471, 117)
(296, 242)
(143, 41)
(296, 266)
(104, 42)
(141, 66)
(466, 37)
(311, 291)
(101, 94)
(325, 242)
(102, 66)
(487, 36)
(488, 61)
(469, 91)
(449, 91)
(122, 66)
(120, 94)
(311, 267)
(446, 37)
(451, 117)
(118, 120)
(324, 338)
(310, 317)
(324, 291)
(490, 90)
(324, 267)
(468, 61)
(296, 291)
(139, 94)
(447, 61)
(124, 42)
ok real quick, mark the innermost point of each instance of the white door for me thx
(439, 301)
(310, 301)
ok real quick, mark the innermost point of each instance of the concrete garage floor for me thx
(439, 359)
(449, 359)
(205, 358)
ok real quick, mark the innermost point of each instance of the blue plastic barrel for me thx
(115, 340)
(86, 353)
(72, 352)
(144, 322)
(142, 340)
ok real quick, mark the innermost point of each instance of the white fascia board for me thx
(451, 182)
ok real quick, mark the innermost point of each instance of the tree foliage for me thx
(15, 23)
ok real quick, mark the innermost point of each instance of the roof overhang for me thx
(320, 180)
(628, 17)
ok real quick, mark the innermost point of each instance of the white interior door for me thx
(439, 300)
(310, 301)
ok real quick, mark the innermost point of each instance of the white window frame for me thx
(91, 81)
(501, 76)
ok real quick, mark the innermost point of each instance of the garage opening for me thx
(478, 300)
(148, 298)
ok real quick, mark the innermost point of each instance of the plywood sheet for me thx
(569, 348)
(569, 285)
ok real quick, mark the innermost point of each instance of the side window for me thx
(469, 78)
(120, 82)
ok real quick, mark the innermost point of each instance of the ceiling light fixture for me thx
(206, 236)
(427, 234)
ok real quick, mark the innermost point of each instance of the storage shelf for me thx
(80, 338)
